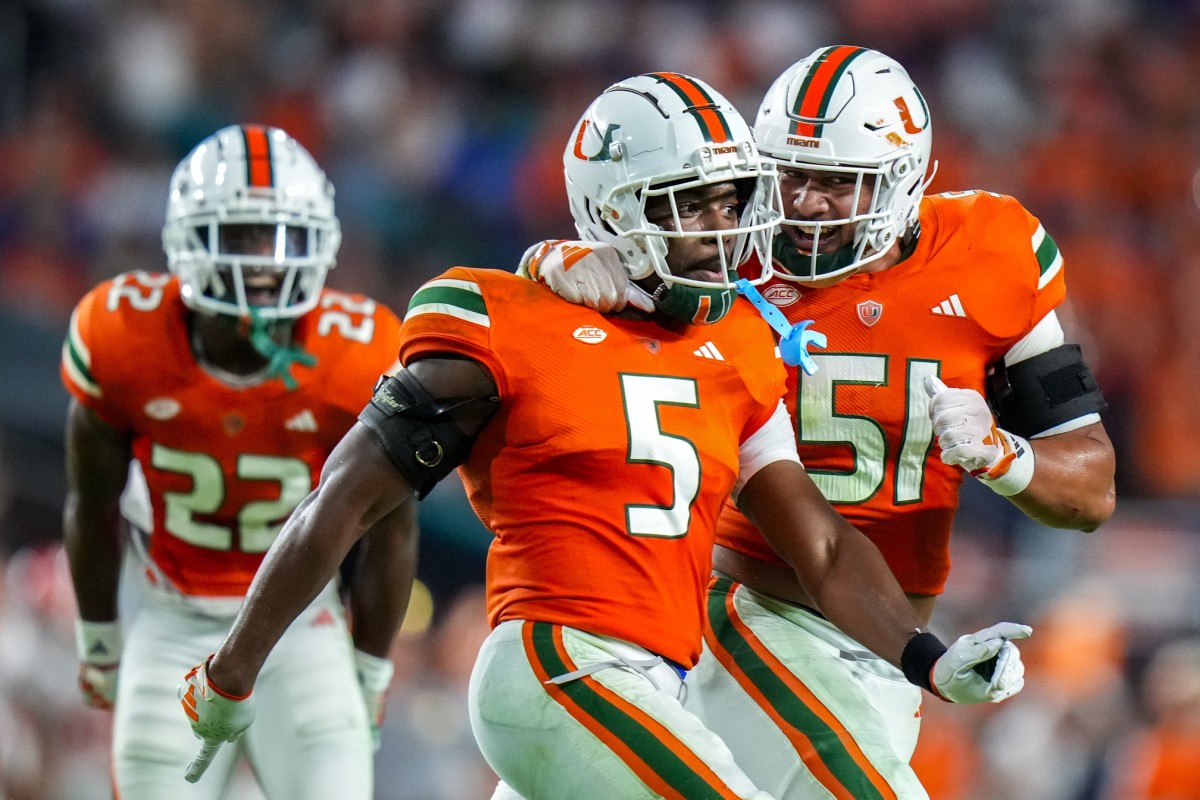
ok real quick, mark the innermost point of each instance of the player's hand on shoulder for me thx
(216, 716)
(982, 667)
(584, 273)
(98, 646)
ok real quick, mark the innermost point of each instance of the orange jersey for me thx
(982, 275)
(616, 443)
(224, 465)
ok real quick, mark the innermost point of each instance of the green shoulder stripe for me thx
(1049, 259)
(77, 359)
(452, 297)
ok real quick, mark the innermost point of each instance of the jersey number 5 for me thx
(648, 444)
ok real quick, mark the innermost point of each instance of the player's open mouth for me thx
(262, 290)
(805, 236)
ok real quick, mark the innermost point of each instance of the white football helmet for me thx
(250, 175)
(849, 110)
(655, 135)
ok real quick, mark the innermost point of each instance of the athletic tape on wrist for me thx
(98, 643)
(374, 673)
(1019, 473)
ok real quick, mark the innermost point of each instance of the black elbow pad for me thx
(1042, 392)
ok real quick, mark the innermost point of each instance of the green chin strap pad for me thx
(693, 304)
(279, 357)
(799, 264)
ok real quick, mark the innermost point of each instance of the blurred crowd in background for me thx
(442, 125)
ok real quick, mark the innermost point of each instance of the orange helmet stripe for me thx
(700, 105)
(259, 171)
(812, 101)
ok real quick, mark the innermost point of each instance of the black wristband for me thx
(922, 650)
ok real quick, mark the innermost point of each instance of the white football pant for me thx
(808, 712)
(310, 739)
(560, 713)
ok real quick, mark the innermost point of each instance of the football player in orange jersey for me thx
(913, 295)
(225, 384)
(600, 451)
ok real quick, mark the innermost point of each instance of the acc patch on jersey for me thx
(781, 295)
(590, 335)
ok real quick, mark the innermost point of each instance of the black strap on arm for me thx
(418, 432)
(1043, 392)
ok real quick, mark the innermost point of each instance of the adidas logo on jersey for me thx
(950, 307)
(709, 350)
(304, 422)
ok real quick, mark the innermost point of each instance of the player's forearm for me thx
(840, 569)
(1072, 485)
(859, 594)
(382, 585)
(298, 566)
(92, 541)
(97, 467)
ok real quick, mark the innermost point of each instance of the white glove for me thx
(374, 678)
(216, 717)
(584, 273)
(98, 646)
(983, 667)
(970, 438)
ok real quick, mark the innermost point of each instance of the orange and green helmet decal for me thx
(816, 92)
(260, 171)
(700, 105)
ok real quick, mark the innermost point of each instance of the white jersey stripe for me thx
(451, 311)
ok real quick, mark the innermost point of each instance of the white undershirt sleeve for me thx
(774, 441)
(1046, 335)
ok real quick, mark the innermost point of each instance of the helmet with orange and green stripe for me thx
(653, 139)
(855, 113)
(250, 226)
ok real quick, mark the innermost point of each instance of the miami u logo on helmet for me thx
(606, 144)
